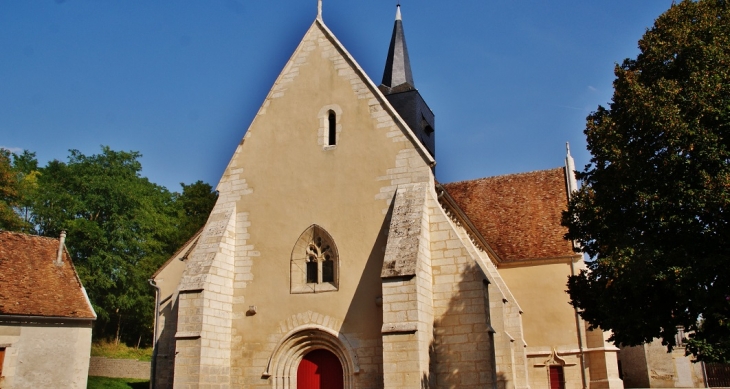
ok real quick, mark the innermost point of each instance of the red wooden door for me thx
(556, 377)
(320, 369)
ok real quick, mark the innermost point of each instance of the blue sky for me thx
(179, 81)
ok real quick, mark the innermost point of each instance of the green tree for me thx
(9, 220)
(195, 203)
(18, 180)
(27, 173)
(118, 224)
(653, 214)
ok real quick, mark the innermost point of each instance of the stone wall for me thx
(651, 366)
(463, 350)
(407, 292)
(167, 327)
(43, 355)
(119, 368)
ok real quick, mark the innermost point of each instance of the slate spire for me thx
(398, 65)
(401, 92)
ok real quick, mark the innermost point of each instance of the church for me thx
(335, 259)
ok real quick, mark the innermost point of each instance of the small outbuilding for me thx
(45, 315)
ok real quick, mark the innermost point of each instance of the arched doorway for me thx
(320, 369)
(298, 343)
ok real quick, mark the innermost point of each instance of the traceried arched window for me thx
(314, 262)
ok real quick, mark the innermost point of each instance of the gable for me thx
(321, 77)
(285, 176)
(518, 214)
(286, 173)
(31, 284)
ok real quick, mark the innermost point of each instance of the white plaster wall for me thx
(9, 335)
(48, 357)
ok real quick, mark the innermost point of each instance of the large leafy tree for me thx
(653, 214)
(118, 224)
(121, 227)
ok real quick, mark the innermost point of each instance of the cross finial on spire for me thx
(319, 9)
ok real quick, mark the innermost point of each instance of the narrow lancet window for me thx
(332, 137)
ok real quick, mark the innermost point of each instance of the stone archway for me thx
(288, 354)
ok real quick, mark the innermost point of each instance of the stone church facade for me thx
(333, 258)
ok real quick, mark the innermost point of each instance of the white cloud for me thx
(16, 150)
(592, 89)
(568, 107)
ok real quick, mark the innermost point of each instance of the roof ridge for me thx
(29, 235)
(504, 175)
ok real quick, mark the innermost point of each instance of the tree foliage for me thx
(18, 181)
(195, 203)
(117, 224)
(120, 226)
(26, 170)
(9, 193)
(654, 210)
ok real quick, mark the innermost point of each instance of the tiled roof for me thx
(31, 284)
(518, 214)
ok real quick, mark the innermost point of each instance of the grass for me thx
(120, 351)
(117, 383)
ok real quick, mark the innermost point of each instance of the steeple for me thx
(398, 66)
(401, 92)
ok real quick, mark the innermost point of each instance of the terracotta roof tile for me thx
(518, 214)
(31, 284)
